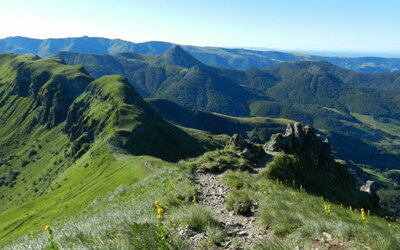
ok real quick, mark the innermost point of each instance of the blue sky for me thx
(315, 25)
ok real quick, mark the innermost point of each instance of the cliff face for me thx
(51, 84)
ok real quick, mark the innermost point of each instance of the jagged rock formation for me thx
(299, 139)
(368, 187)
(247, 149)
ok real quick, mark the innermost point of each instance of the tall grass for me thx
(298, 218)
(122, 219)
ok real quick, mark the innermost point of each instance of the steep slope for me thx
(218, 57)
(66, 139)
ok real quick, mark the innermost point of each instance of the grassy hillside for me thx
(66, 139)
(126, 217)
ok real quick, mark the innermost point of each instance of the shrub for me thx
(239, 201)
(221, 160)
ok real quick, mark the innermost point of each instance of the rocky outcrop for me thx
(247, 149)
(370, 187)
(304, 140)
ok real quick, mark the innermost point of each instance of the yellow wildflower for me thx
(194, 199)
(48, 229)
(327, 209)
(363, 218)
(157, 203)
(159, 217)
(160, 210)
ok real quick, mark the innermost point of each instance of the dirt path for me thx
(212, 194)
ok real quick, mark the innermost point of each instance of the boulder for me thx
(368, 187)
(247, 149)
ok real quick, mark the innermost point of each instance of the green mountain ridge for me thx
(65, 135)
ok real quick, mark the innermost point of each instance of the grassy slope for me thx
(297, 218)
(125, 217)
(50, 185)
(58, 177)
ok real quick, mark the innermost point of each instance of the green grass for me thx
(391, 127)
(221, 160)
(69, 192)
(196, 216)
(240, 199)
(294, 218)
(125, 217)
(297, 218)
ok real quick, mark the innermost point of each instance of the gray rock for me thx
(327, 236)
(247, 149)
(302, 139)
(370, 187)
(199, 237)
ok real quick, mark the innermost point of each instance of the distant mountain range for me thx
(213, 56)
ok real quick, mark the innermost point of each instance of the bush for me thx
(239, 201)
(221, 160)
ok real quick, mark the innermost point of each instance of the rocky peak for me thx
(302, 139)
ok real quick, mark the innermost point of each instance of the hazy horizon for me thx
(329, 53)
(295, 25)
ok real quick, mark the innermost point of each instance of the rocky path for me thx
(212, 194)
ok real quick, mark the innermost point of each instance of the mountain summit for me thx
(177, 56)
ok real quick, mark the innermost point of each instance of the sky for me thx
(357, 26)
